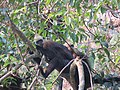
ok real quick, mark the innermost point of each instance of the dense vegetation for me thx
(93, 26)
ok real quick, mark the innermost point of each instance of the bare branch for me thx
(21, 35)
(72, 75)
(80, 73)
(34, 79)
(91, 81)
(62, 71)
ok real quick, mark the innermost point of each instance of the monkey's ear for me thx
(37, 37)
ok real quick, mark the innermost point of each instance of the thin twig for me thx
(32, 3)
(10, 72)
(34, 79)
(91, 81)
(53, 5)
(19, 48)
(2, 68)
(88, 28)
(62, 71)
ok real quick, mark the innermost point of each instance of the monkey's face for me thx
(39, 43)
(38, 40)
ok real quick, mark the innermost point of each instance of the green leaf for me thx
(7, 63)
(48, 2)
(73, 36)
(114, 40)
(72, 2)
(44, 34)
(100, 56)
(118, 3)
(82, 30)
(91, 59)
(90, 14)
(81, 37)
(86, 0)
(103, 10)
(23, 9)
(117, 60)
(93, 55)
(61, 12)
(1, 44)
(68, 20)
(16, 21)
(105, 44)
(107, 52)
(98, 6)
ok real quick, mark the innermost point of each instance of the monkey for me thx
(58, 56)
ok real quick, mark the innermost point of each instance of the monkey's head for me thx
(38, 40)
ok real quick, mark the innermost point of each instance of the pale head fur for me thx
(37, 37)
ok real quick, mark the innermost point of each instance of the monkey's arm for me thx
(35, 58)
(52, 65)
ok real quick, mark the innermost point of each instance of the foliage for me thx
(6, 82)
(88, 25)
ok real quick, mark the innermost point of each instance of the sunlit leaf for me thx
(48, 2)
(114, 40)
(23, 9)
(6, 63)
(61, 12)
(16, 21)
(117, 60)
(98, 6)
(67, 20)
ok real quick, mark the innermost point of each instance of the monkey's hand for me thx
(42, 72)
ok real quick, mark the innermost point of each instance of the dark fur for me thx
(59, 56)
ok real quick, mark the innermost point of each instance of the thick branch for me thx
(10, 72)
(77, 65)
(21, 35)
(80, 73)
(72, 75)
(25, 40)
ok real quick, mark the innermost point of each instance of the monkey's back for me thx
(58, 49)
